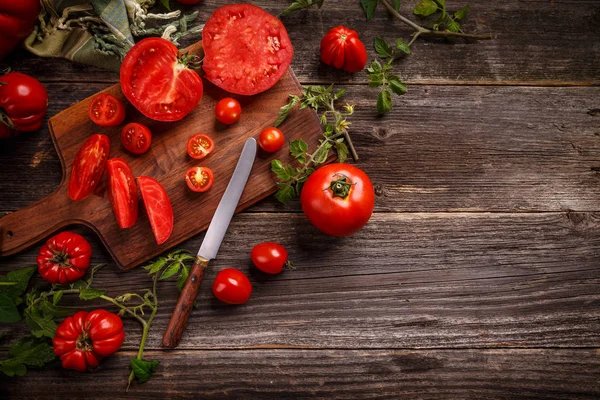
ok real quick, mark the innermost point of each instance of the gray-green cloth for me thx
(100, 32)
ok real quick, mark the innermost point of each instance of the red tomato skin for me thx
(83, 338)
(228, 111)
(158, 208)
(191, 179)
(269, 257)
(88, 166)
(122, 192)
(136, 138)
(17, 19)
(271, 139)
(157, 83)
(23, 101)
(103, 100)
(341, 48)
(232, 286)
(338, 216)
(204, 143)
(64, 258)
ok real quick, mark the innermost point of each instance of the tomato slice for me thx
(199, 179)
(122, 192)
(199, 146)
(246, 49)
(106, 110)
(158, 208)
(88, 166)
(136, 138)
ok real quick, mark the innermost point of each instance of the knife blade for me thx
(211, 243)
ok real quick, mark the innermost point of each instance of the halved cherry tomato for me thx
(232, 286)
(199, 179)
(269, 257)
(271, 139)
(88, 166)
(228, 110)
(158, 208)
(136, 137)
(199, 146)
(122, 192)
(106, 110)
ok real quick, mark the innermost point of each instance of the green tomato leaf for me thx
(321, 154)
(19, 280)
(285, 193)
(13, 368)
(396, 85)
(342, 151)
(165, 3)
(27, 352)
(8, 309)
(402, 46)
(156, 266)
(397, 5)
(57, 296)
(384, 102)
(89, 293)
(383, 49)
(425, 8)
(453, 26)
(293, 101)
(462, 13)
(339, 94)
(279, 170)
(298, 148)
(170, 271)
(143, 370)
(369, 7)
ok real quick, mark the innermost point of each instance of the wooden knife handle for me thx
(184, 304)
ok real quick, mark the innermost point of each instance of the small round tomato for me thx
(228, 111)
(199, 179)
(232, 286)
(269, 257)
(271, 139)
(342, 48)
(136, 138)
(64, 258)
(199, 146)
(106, 110)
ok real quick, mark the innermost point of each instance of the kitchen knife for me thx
(210, 244)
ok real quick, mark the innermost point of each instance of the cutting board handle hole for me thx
(9, 234)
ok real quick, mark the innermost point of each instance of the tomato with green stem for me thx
(64, 258)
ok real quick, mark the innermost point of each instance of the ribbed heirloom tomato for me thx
(342, 48)
(23, 104)
(64, 258)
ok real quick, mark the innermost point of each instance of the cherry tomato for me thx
(246, 49)
(136, 137)
(271, 139)
(338, 199)
(156, 79)
(269, 257)
(158, 208)
(199, 146)
(122, 192)
(199, 179)
(342, 48)
(23, 102)
(231, 286)
(228, 111)
(83, 338)
(17, 19)
(88, 166)
(64, 258)
(106, 110)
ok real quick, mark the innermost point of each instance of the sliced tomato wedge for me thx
(136, 138)
(106, 110)
(199, 179)
(199, 146)
(88, 166)
(122, 192)
(158, 208)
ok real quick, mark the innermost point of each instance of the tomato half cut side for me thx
(88, 166)
(122, 192)
(106, 110)
(246, 49)
(136, 138)
(158, 207)
(199, 146)
(199, 179)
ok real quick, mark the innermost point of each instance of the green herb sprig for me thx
(380, 75)
(298, 5)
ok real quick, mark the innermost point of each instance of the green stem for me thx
(346, 134)
(8, 283)
(126, 309)
(311, 159)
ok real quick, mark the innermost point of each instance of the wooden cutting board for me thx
(166, 161)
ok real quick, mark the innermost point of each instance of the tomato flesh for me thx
(88, 166)
(247, 50)
(232, 286)
(106, 110)
(269, 257)
(199, 179)
(136, 138)
(271, 139)
(158, 208)
(199, 146)
(228, 111)
(122, 192)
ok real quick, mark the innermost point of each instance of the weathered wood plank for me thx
(404, 281)
(329, 374)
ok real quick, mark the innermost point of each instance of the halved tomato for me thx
(88, 166)
(122, 192)
(199, 146)
(246, 49)
(136, 137)
(158, 208)
(106, 110)
(199, 179)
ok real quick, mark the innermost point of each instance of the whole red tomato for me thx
(232, 286)
(17, 19)
(156, 79)
(228, 111)
(338, 199)
(342, 48)
(88, 166)
(269, 257)
(64, 258)
(83, 338)
(271, 139)
(23, 103)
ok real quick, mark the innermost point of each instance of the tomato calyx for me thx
(188, 60)
(83, 342)
(341, 187)
(5, 119)
(62, 259)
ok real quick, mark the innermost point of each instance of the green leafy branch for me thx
(321, 99)
(298, 5)
(380, 74)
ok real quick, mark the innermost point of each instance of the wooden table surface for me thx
(478, 274)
